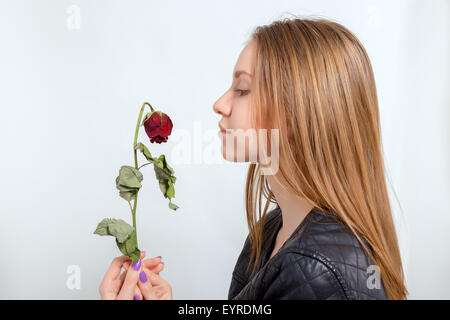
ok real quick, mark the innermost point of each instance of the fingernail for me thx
(159, 257)
(162, 262)
(136, 297)
(143, 276)
(137, 265)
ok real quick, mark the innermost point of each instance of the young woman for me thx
(331, 234)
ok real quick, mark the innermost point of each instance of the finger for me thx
(145, 286)
(137, 293)
(130, 281)
(126, 265)
(155, 279)
(152, 262)
(157, 269)
(116, 265)
(122, 277)
(137, 289)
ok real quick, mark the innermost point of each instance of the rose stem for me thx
(136, 162)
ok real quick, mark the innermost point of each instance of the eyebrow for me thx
(239, 72)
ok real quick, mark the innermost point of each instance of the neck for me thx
(293, 208)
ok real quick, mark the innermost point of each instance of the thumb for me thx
(130, 282)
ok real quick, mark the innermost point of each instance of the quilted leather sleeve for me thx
(321, 260)
(304, 276)
(239, 277)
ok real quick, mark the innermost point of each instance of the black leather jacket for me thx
(322, 259)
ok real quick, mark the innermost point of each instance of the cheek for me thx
(241, 116)
(240, 148)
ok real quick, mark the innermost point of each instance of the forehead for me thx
(246, 58)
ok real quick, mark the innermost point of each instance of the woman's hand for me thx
(117, 286)
(153, 287)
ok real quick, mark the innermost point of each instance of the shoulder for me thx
(240, 274)
(272, 218)
(324, 260)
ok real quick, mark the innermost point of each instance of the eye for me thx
(242, 92)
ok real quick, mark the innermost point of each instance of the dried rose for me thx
(158, 126)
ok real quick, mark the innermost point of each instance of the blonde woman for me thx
(331, 234)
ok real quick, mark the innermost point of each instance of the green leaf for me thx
(164, 174)
(158, 162)
(162, 168)
(129, 247)
(128, 195)
(161, 162)
(142, 148)
(128, 182)
(114, 227)
(102, 227)
(161, 174)
(163, 186)
(136, 255)
(173, 206)
(121, 230)
(170, 168)
(130, 177)
(171, 190)
(125, 236)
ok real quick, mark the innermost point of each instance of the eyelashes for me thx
(242, 92)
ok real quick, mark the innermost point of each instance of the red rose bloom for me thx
(158, 126)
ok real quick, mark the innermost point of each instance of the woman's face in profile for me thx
(234, 106)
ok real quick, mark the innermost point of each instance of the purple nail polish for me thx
(143, 276)
(136, 297)
(136, 265)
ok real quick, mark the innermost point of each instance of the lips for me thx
(222, 129)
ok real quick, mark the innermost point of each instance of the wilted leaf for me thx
(171, 190)
(163, 186)
(128, 182)
(136, 255)
(114, 227)
(129, 247)
(161, 174)
(128, 195)
(164, 174)
(173, 206)
(102, 227)
(144, 150)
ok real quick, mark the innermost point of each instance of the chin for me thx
(232, 157)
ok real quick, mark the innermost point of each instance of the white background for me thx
(69, 104)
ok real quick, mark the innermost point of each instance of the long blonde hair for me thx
(313, 80)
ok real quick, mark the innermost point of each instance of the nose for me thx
(222, 107)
